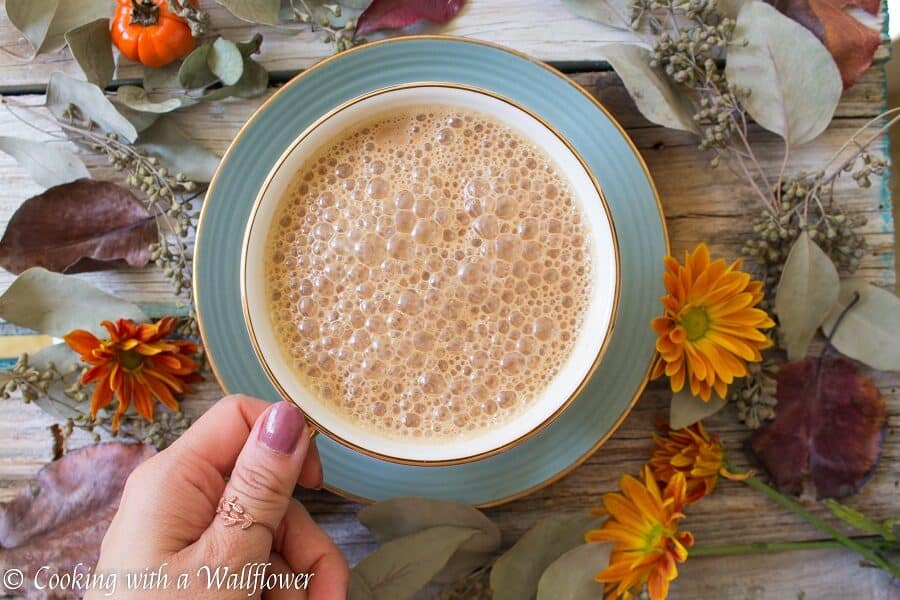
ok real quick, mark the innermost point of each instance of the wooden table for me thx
(700, 205)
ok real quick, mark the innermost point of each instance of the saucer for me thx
(616, 384)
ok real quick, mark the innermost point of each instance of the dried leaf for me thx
(397, 14)
(870, 331)
(59, 520)
(91, 48)
(84, 225)
(72, 14)
(225, 61)
(794, 83)
(686, 409)
(397, 517)
(141, 100)
(651, 90)
(63, 91)
(830, 425)
(571, 576)
(852, 43)
(516, 574)
(254, 11)
(48, 164)
(32, 18)
(179, 152)
(252, 83)
(806, 294)
(194, 72)
(401, 567)
(612, 13)
(56, 304)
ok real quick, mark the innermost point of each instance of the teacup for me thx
(596, 325)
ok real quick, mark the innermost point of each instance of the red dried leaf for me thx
(851, 43)
(59, 520)
(396, 14)
(84, 225)
(830, 426)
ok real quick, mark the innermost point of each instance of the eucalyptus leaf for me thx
(56, 304)
(571, 576)
(612, 13)
(806, 294)
(180, 153)
(515, 575)
(62, 91)
(137, 98)
(253, 83)
(357, 589)
(254, 11)
(48, 163)
(72, 14)
(163, 79)
(401, 567)
(91, 48)
(793, 81)
(194, 72)
(397, 517)
(251, 46)
(225, 61)
(870, 331)
(139, 119)
(32, 18)
(686, 409)
(657, 99)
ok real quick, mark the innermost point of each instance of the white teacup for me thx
(597, 323)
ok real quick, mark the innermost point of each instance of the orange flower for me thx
(692, 452)
(711, 327)
(643, 525)
(135, 363)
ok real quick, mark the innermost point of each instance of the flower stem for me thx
(763, 547)
(839, 537)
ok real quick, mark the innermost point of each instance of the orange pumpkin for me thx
(146, 31)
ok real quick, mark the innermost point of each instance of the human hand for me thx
(167, 515)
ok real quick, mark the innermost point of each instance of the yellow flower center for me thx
(695, 322)
(652, 538)
(130, 359)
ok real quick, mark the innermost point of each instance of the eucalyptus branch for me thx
(170, 197)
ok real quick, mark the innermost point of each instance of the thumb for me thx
(261, 485)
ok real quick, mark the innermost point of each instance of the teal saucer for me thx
(600, 141)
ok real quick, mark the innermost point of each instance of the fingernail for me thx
(282, 428)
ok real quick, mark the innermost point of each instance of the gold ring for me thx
(233, 513)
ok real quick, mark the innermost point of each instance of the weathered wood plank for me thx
(545, 30)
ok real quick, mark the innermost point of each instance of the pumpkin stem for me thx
(144, 12)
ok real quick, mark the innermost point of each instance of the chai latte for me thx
(428, 273)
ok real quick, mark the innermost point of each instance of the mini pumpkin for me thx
(146, 31)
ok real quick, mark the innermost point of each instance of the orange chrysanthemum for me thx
(711, 328)
(643, 526)
(136, 364)
(692, 452)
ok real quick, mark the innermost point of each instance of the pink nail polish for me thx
(282, 428)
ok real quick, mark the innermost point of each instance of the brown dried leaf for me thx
(830, 425)
(850, 42)
(60, 518)
(81, 226)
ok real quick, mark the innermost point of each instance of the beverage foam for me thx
(428, 273)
